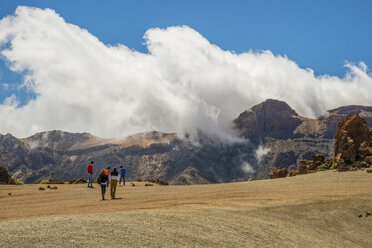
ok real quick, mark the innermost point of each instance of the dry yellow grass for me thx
(315, 210)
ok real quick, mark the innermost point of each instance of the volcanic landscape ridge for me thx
(276, 136)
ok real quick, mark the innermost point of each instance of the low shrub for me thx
(52, 181)
(323, 167)
(19, 182)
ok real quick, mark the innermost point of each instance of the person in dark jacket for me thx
(103, 179)
(90, 174)
(114, 182)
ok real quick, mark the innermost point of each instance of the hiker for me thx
(90, 174)
(108, 171)
(102, 180)
(114, 182)
(122, 174)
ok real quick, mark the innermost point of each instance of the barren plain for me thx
(315, 210)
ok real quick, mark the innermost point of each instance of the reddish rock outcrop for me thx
(302, 167)
(278, 173)
(353, 141)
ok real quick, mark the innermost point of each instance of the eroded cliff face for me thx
(275, 135)
(289, 137)
(353, 143)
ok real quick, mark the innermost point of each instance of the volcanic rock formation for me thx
(353, 148)
(276, 136)
(353, 142)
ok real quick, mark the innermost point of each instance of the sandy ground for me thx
(315, 210)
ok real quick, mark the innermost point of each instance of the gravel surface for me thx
(306, 211)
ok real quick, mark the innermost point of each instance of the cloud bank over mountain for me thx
(183, 84)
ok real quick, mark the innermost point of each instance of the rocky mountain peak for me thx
(56, 139)
(272, 107)
(271, 117)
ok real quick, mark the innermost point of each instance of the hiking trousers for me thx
(113, 185)
(103, 190)
(90, 180)
(122, 178)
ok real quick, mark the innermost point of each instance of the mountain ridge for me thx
(286, 136)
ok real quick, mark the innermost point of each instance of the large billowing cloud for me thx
(183, 84)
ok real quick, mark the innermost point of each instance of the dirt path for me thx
(316, 210)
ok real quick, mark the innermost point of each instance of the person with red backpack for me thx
(108, 172)
(90, 174)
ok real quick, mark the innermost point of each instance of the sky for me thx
(176, 66)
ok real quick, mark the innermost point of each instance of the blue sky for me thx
(321, 35)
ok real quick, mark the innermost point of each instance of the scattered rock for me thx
(293, 173)
(41, 188)
(278, 173)
(364, 165)
(78, 181)
(302, 168)
(319, 158)
(48, 186)
(157, 181)
(313, 166)
(360, 216)
(368, 214)
(369, 171)
(368, 160)
(250, 179)
(358, 165)
(132, 184)
(342, 166)
(9, 193)
(55, 187)
(148, 184)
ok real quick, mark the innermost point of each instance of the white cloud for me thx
(261, 152)
(247, 168)
(183, 84)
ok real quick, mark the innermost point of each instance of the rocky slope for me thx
(290, 138)
(62, 155)
(276, 136)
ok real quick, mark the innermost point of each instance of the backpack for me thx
(99, 180)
